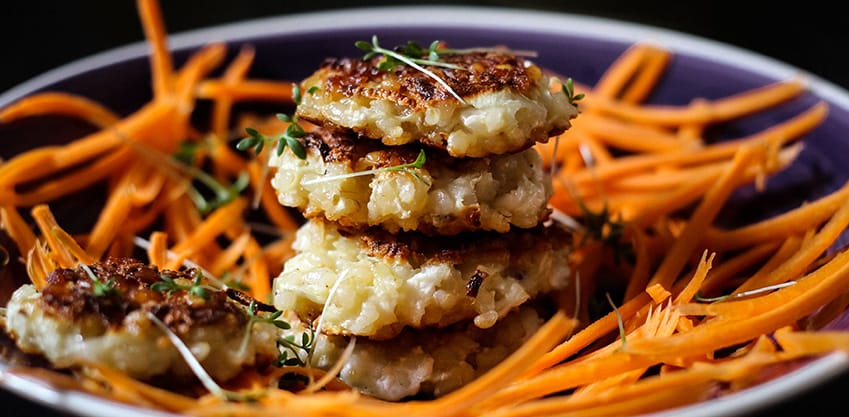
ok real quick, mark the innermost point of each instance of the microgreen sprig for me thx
(410, 168)
(253, 317)
(568, 88)
(222, 193)
(98, 287)
(292, 349)
(188, 150)
(602, 227)
(289, 138)
(410, 54)
(182, 161)
(168, 285)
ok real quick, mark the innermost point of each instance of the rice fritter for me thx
(446, 196)
(73, 320)
(430, 362)
(508, 103)
(375, 283)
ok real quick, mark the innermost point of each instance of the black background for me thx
(36, 36)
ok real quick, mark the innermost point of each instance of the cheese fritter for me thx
(508, 103)
(375, 283)
(75, 319)
(446, 196)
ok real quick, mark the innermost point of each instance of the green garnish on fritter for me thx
(289, 138)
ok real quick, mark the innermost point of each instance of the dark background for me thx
(36, 36)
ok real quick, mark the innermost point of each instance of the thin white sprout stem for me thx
(764, 289)
(195, 365)
(337, 367)
(424, 70)
(333, 291)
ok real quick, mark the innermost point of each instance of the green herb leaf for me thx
(187, 151)
(100, 288)
(569, 90)
(170, 286)
(221, 193)
(292, 352)
(289, 139)
(602, 227)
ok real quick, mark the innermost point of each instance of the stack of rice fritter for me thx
(442, 269)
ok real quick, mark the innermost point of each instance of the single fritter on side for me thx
(508, 103)
(423, 363)
(75, 320)
(375, 283)
(445, 196)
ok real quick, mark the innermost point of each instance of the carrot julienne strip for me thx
(58, 103)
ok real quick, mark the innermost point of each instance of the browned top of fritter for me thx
(337, 146)
(482, 72)
(72, 294)
(419, 249)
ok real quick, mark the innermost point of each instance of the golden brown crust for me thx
(70, 294)
(483, 72)
(337, 146)
(418, 249)
(340, 146)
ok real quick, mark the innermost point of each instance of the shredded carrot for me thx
(62, 104)
(736, 264)
(106, 228)
(620, 72)
(644, 80)
(20, 232)
(588, 335)
(160, 59)
(214, 225)
(695, 283)
(47, 223)
(739, 319)
(707, 210)
(158, 250)
(73, 248)
(717, 111)
(247, 90)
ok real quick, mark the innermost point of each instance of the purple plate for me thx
(581, 47)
